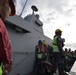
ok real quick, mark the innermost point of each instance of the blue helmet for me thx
(40, 41)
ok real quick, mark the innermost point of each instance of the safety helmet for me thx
(40, 41)
(12, 5)
(44, 42)
(57, 31)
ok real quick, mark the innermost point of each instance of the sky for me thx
(54, 14)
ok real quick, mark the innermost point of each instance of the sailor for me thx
(57, 53)
(75, 55)
(39, 51)
(70, 57)
(45, 43)
(7, 8)
(40, 56)
(46, 49)
(63, 40)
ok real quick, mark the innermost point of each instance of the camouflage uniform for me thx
(57, 55)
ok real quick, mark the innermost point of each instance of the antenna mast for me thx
(23, 7)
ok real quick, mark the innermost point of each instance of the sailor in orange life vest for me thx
(7, 8)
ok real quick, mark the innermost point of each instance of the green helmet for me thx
(57, 31)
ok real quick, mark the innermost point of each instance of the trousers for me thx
(58, 63)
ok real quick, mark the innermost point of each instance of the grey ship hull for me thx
(24, 35)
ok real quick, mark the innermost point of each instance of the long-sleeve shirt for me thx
(59, 43)
(5, 44)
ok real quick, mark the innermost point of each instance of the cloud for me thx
(43, 6)
(54, 14)
(70, 45)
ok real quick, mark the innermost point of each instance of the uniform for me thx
(57, 55)
(5, 44)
